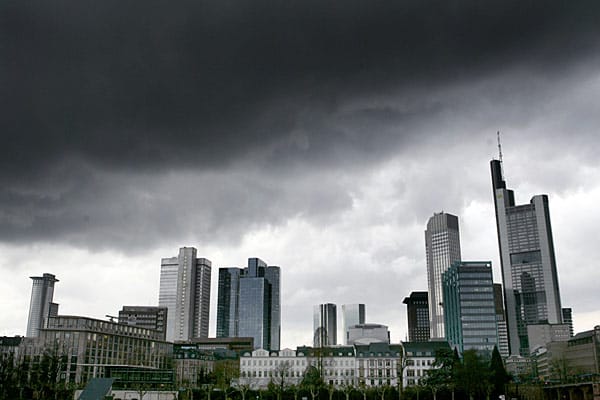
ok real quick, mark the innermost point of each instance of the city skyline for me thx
(321, 136)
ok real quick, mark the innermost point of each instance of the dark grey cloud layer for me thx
(126, 122)
(201, 83)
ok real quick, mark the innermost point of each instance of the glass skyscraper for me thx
(352, 314)
(469, 309)
(41, 306)
(185, 292)
(529, 274)
(325, 325)
(249, 305)
(442, 247)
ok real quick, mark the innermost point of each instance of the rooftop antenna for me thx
(500, 154)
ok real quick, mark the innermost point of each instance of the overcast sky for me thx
(317, 135)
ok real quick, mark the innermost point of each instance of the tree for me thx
(331, 390)
(499, 376)
(280, 378)
(472, 374)
(312, 381)
(400, 367)
(441, 376)
(347, 389)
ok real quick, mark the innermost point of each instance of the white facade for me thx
(442, 247)
(185, 292)
(260, 367)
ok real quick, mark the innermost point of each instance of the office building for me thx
(417, 310)
(469, 312)
(249, 303)
(228, 296)
(368, 333)
(503, 348)
(90, 347)
(41, 306)
(442, 246)
(148, 317)
(567, 316)
(531, 292)
(185, 292)
(352, 314)
(325, 325)
(539, 335)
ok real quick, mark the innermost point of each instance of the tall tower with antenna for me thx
(529, 274)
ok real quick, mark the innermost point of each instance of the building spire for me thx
(500, 154)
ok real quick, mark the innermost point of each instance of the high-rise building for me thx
(442, 246)
(469, 312)
(531, 292)
(147, 317)
(41, 306)
(367, 334)
(352, 314)
(417, 307)
(185, 292)
(325, 325)
(249, 304)
(567, 316)
(228, 295)
(503, 348)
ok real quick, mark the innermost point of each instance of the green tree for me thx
(472, 374)
(281, 378)
(312, 381)
(499, 377)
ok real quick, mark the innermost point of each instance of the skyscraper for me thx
(352, 314)
(442, 247)
(567, 316)
(503, 347)
(185, 292)
(249, 305)
(417, 307)
(41, 306)
(325, 325)
(469, 312)
(531, 292)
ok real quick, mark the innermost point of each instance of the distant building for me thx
(540, 334)
(417, 307)
(194, 364)
(378, 364)
(469, 309)
(503, 347)
(89, 346)
(249, 303)
(364, 334)
(442, 247)
(148, 317)
(567, 315)
(583, 352)
(260, 367)
(41, 306)
(185, 292)
(352, 314)
(530, 278)
(325, 325)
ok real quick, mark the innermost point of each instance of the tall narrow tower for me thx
(185, 292)
(531, 292)
(41, 306)
(442, 247)
(325, 325)
(352, 314)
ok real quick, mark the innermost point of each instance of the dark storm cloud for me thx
(144, 84)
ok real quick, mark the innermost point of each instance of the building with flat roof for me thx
(469, 309)
(148, 317)
(368, 333)
(249, 303)
(352, 314)
(41, 305)
(325, 325)
(442, 248)
(417, 310)
(185, 292)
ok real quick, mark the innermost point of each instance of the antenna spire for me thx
(500, 154)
